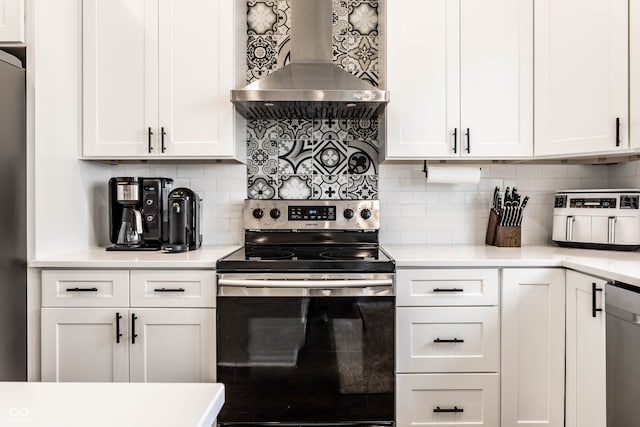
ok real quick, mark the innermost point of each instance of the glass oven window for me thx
(303, 360)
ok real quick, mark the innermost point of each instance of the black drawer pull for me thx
(455, 140)
(454, 409)
(448, 290)
(149, 146)
(82, 289)
(455, 340)
(168, 290)
(118, 333)
(594, 310)
(133, 328)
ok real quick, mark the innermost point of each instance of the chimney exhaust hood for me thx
(311, 86)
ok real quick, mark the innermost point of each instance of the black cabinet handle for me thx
(149, 147)
(162, 135)
(454, 409)
(448, 290)
(594, 310)
(455, 340)
(455, 140)
(82, 289)
(617, 131)
(468, 140)
(133, 328)
(118, 333)
(168, 290)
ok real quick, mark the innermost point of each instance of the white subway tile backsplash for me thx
(413, 212)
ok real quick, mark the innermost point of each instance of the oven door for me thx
(297, 350)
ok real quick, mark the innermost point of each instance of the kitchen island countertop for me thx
(109, 404)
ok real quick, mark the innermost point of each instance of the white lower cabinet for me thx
(533, 324)
(448, 399)
(92, 331)
(447, 347)
(173, 345)
(586, 351)
(79, 345)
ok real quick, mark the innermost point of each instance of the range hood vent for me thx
(311, 86)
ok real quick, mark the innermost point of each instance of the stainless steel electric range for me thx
(305, 330)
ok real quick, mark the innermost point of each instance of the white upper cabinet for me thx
(156, 79)
(581, 77)
(460, 75)
(634, 74)
(12, 21)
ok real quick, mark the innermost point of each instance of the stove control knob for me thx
(258, 213)
(274, 213)
(365, 213)
(348, 213)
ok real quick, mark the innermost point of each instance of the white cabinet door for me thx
(533, 347)
(496, 78)
(120, 78)
(462, 87)
(423, 77)
(196, 62)
(12, 21)
(156, 79)
(581, 76)
(586, 349)
(634, 74)
(80, 345)
(172, 345)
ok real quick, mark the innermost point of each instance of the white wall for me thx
(222, 187)
(625, 175)
(420, 213)
(67, 196)
(412, 210)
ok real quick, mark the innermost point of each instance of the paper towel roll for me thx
(437, 174)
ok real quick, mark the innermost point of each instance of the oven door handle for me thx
(307, 284)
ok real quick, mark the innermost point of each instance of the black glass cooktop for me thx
(312, 258)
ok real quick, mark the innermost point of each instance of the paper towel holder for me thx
(475, 178)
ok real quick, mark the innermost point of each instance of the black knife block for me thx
(502, 236)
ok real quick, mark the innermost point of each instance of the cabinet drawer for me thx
(85, 288)
(433, 287)
(175, 288)
(447, 339)
(424, 400)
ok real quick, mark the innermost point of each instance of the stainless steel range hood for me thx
(311, 86)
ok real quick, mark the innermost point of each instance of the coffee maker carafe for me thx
(137, 213)
(184, 221)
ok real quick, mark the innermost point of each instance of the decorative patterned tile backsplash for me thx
(313, 159)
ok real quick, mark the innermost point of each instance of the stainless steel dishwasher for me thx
(622, 307)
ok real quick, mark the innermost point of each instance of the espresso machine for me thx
(184, 207)
(138, 213)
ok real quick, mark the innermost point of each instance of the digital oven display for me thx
(312, 213)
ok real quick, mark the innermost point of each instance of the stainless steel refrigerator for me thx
(13, 220)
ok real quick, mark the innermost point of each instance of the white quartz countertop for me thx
(109, 404)
(204, 257)
(611, 265)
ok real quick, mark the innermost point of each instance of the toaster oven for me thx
(597, 219)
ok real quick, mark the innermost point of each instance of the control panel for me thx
(311, 215)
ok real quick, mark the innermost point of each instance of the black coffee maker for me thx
(184, 221)
(138, 219)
